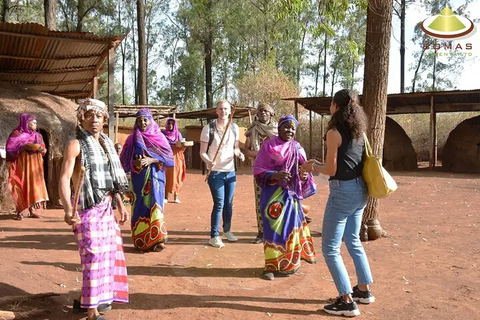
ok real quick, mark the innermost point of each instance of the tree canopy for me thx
(199, 51)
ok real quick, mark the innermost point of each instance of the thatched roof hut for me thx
(461, 152)
(398, 151)
(56, 119)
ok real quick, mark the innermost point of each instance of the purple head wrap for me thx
(172, 135)
(287, 118)
(21, 136)
(278, 155)
(152, 141)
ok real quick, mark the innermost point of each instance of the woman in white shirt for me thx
(222, 178)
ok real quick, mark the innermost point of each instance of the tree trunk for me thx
(123, 51)
(142, 59)
(402, 46)
(6, 11)
(134, 50)
(207, 44)
(80, 14)
(334, 78)
(377, 48)
(50, 7)
(325, 43)
(415, 75)
(208, 71)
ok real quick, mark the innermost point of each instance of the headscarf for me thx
(287, 118)
(267, 107)
(172, 135)
(258, 130)
(279, 155)
(152, 141)
(21, 136)
(91, 104)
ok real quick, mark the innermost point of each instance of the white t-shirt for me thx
(225, 157)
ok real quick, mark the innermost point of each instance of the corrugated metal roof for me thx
(57, 62)
(404, 103)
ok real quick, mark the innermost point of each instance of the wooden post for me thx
(296, 110)
(117, 123)
(111, 91)
(310, 134)
(250, 116)
(433, 134)
(322, 142)
(95, 87)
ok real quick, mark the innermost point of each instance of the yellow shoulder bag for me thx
(379, 182)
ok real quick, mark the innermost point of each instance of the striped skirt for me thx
(100, 246)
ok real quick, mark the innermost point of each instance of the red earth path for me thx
(427, 266)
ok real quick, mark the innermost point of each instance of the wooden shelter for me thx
(66, 64)
(211, 113)
(408, 103)
(129, 111)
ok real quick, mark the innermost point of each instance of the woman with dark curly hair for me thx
(346, 202)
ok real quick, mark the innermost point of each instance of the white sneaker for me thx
(165, 200)
(230, 236)
(216, 242)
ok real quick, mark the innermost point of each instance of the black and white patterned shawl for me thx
(103, 171)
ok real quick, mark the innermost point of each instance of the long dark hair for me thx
(350, 114)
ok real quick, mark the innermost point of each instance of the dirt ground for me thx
(427, 267)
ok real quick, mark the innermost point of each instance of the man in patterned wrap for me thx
(96, 230)
(261, 129)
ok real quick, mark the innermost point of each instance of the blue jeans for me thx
(343, 217)
(222, 187)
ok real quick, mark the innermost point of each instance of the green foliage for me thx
(22, 11)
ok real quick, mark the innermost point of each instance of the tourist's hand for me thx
(241, 156)
(307, 166)
(68, 218)
(210, 164)
(282, 176)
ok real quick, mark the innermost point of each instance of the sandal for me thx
(159, 247)
(19, 216)
(258, 239)
(32, 213)
(77, 308)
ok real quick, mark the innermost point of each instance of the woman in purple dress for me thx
(286, 237)
(145, 154)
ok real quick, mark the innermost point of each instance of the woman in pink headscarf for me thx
(145, 154)
(25, 148)
(175, 175)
